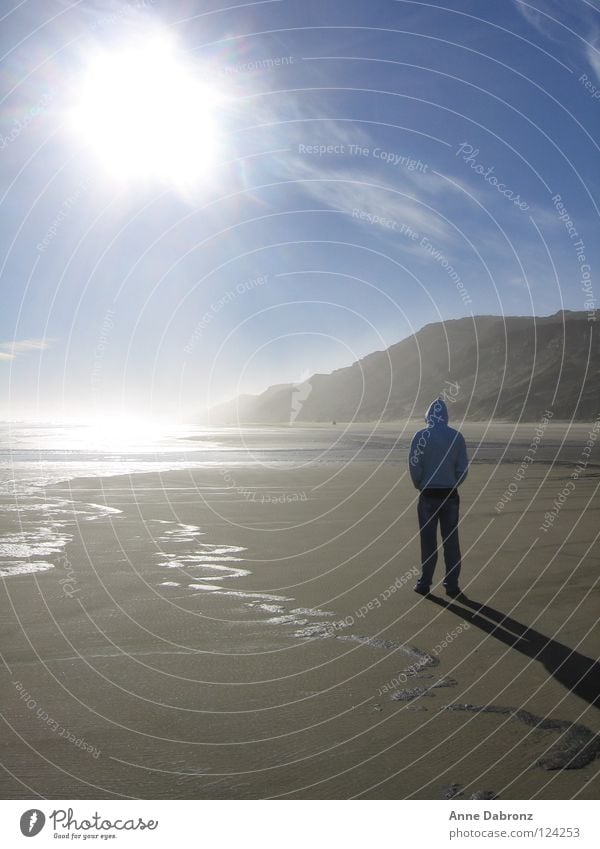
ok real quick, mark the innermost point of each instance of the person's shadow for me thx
(575, 671)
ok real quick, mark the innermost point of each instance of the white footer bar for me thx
(221, 824)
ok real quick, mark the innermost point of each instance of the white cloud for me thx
(549, 16)
(11, 350)
(342, 181)
(592, 52)
(543, 16)
(355, 190)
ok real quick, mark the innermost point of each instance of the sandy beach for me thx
(247, 628)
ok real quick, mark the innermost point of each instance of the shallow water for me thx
(37, 526)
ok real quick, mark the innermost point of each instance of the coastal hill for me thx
(500, 367)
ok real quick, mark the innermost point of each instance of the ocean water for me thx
(34, 525)
(37, 525)
(33, 456)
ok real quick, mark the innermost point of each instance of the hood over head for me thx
(437, 412)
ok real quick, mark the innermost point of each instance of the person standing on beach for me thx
(438, 465)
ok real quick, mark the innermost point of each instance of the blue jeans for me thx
(431, 510)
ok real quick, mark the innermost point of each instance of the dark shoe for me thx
(421, 590)
(453, 592)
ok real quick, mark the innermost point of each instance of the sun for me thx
(144, 113)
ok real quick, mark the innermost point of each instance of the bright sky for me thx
(199, 201)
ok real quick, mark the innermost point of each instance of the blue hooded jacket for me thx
(438, 454)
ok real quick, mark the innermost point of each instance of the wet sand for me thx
(250, 632)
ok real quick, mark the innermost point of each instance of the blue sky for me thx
(380, 165)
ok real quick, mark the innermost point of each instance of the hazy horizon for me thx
(200, 415)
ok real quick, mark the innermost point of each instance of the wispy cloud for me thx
(554, 19)
(11, 350)
(346, 183)
(355, 192)
(546, 16)
(593, 54)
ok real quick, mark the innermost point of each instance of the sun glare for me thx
(120, 433)
(146, 114)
